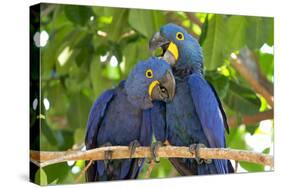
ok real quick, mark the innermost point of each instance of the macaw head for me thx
(179, 48)
(149, 81)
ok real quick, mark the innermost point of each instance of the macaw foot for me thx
(107, 154)
(194, 149)
(154, 151)
(132, 147)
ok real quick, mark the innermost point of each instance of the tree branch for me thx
(194, 19)
(251, 119)
(46, 158)
(240, 66)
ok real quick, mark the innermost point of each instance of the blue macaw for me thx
(122, 116)
(195, 117)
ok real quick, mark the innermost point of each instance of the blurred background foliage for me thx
(86, 50)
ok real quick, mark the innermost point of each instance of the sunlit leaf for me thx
(236, 138)
(146, 22)
(266, 63)
(251, 167)
(236, 31)
(266, 150)
(41, 177)
(214, 44)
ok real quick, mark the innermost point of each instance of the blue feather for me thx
(121, 116)
(195, 115)
(208, 110)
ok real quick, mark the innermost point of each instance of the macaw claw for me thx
(132, 147)
(194, 149)
(107, 154)
(154, 151)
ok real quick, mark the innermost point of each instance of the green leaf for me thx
(252, 128)
(65, 139)
(48, 133)
(242, 99)
(55, 182)
(219, 81)
(249, 31)
(259, 31)
(214, 44)
(266, 151)
(147, 22)
(111, 73)
(41, 177)
(236, 32)
(57, 97)
(252, 167)
(79, 15)
(266, 63)
(134, 52)
(79, 135)
(222, 35)
(53, 47)
(236, 138)
(118, 25)
(84, 56)
(78, 111)
(98, 81)
(57, 172)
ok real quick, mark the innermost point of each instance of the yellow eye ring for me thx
(149, 73)
(180, 36)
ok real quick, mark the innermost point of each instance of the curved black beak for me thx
(164, 90)
(158, 41)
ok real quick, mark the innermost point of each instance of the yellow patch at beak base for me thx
(173, 49)
(151, 86)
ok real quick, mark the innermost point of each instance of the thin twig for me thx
(83, 171)
(149, 169)
(122, 152)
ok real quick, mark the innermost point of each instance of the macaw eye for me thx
(180, 36)
(149, 73)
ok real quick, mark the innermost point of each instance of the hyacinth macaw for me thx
(121, 116)
(195, 117)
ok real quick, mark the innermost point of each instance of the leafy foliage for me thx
(90, 49)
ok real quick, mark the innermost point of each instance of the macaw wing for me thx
(158, 121)
(96, 115)
(208, 110)
(210, 115)
(221, 108)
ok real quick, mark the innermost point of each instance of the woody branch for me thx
(45, 158)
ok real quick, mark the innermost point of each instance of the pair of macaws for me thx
(167, 97)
